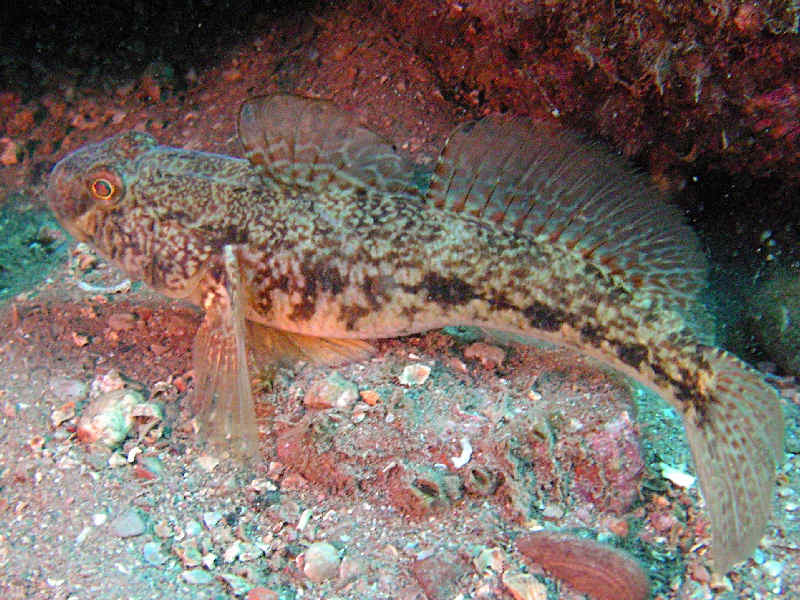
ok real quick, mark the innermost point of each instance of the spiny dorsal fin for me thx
(537, 181)
(313, 144)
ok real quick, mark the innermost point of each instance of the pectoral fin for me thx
(271, 345)
(223, 396)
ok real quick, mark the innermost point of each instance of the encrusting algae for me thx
(319, 240)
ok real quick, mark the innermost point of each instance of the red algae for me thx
(598, 570)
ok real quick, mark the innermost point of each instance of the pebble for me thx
(490, 356)
(490, 558)
(211, 518)
(189, 553)
(332, 392)
(207, 463)
(152, 554)
(321, 562)
(128, 524)
(8, 156)
(108, 419)
(239, 585)
(197, 576)
(523, 586)
(773, 568)
(193, 528)
(261, 593)
(415, 374)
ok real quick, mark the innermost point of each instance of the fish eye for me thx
(105, 186)
(102, 189)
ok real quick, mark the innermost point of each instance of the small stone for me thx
(261, 593)
(117, 460)
(231, 75)
(207, 463)
(553, 512)
(321, 562)
(371, 397)
(523, 586)
(773, 568)
(197, 576)
(333, 391)
(128, 524)
(189, 553)
(490, 558)
(108, 419)
(415, 374)
(193, 528)
(232, 552)
(152, 554)
(122, 321)
(248, 552)
(65, 412)
(490, 356)
(211, 518)
(162, 529)
(351, 568)
(239, 585)
(99, 519)
(8, 156)
(676, 476)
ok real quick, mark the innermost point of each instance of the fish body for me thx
(319, 240)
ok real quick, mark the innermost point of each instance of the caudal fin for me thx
(736, 435)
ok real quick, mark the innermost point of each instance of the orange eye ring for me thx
(103, 189)
(105, 186)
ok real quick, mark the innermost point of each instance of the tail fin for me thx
(736, 437)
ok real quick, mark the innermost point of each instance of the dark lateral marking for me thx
(632, 354)
(541, 316)
(447, 291)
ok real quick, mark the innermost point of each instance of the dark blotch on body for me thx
(447, 291)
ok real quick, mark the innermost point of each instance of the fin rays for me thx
(737, 443)
(540, 182)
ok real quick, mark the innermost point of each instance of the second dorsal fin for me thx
(540, 182)
(312, 144)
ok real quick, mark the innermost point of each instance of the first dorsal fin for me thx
(312, 144)
(538, 181)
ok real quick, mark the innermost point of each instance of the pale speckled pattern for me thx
(524, 230)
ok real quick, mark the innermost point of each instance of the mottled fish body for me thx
(319, 240)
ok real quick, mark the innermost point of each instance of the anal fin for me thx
(223, 398)
(270, 345)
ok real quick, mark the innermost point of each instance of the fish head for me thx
(91, 182)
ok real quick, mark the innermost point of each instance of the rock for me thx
(439, 573)
(239, 585)
(333, 391)
(152, 554)
(261, 593)
(490, 356)
(197, 576)
(8, 155)
(321, 562)
(523, 586)
(415, 374)
(108, 419)
(128, 524)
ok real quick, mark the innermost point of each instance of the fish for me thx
(318, 239)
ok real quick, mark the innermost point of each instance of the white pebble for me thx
(321, 562)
